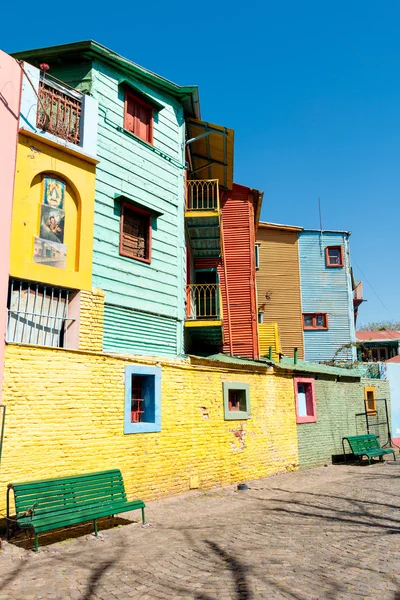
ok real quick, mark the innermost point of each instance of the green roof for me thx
(188, 95)
(303, 366)
(286, 364)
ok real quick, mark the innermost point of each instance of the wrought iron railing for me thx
(203, 301)
(202, 194)
(59, 110)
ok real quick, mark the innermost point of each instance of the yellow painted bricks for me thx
(65, 415)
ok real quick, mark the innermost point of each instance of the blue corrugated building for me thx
(327, 295)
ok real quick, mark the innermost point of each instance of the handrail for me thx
(203, 301)
(202, 194)
(59, 111)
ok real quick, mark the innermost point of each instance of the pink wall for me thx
(10, 93)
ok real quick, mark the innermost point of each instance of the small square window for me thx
(370, 399)
(315, 321)
(334, 256)
(135, 233)
(261, 317)
(305, 400)
(138, 118)
(236, 401)
(142, 399)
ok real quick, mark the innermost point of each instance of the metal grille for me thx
(203, 301)
(137, 400)
(59, 110)
(37, 314)
(202, 194)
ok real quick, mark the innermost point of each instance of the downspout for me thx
(252, 282)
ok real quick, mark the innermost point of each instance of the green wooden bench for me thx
(52, 503)
(367, 445)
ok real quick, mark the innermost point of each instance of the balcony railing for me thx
(203, 301)
(202, 194)
(59, 110)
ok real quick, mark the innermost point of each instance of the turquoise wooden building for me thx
(328, 295)
(139, 257)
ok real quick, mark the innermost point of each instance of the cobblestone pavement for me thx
(324, 533)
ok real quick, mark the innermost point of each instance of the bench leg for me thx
(36, 542)
(95, 527)
(394, 455)
(143, 519)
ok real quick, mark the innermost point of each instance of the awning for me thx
(210, 151)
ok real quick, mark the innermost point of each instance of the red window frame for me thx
(311, 416)
(134, 126)
(144, 213)
(327, 259)
(314, 325)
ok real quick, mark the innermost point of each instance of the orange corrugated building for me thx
(278, 284)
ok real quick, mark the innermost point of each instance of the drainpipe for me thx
(270, 353)
(295, 356)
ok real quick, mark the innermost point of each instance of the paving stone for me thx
(327, 533)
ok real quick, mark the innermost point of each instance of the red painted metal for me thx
(237, 273)
(137, 411)
(58, 112)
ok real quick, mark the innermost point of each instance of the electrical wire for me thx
(372, 288)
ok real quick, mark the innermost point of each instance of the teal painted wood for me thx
(153, 177)
(326, 290)
(136, 332)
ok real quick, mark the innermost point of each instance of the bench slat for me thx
(86, 476)
(68, 496)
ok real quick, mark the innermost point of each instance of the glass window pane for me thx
(301, 400)
(320, 321)
(308, 321)
(334, 256)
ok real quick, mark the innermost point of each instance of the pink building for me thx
(10, 94)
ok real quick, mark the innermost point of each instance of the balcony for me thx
(204, 314)
(203, 218)
(59, 110)
(53, 111)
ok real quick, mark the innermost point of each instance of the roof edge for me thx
(93, 48)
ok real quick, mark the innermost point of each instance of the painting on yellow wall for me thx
(53, 192)
(50, 253)
(52, 224)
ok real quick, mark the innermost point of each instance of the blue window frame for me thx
(142, 399)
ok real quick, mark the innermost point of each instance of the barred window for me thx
(135, 234)
(38, 314)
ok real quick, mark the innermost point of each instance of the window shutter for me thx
(134, 241)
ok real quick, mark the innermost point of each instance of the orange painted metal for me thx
(237, 272)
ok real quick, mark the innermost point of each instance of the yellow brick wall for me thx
(91, 320)
(65, 412)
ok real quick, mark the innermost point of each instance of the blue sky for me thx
(312, 90)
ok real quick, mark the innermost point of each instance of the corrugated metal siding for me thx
(238, 246)
(268, 337)
(279, 275)
(136, 332)
(130, 167)
(326, 290)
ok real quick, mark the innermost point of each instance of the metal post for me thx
(3, 406)
(295, 356)
(270, 353)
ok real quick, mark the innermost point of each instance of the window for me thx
(304, 392)
(334, 256)
(142, 399)
(257, 255)
(370, 400)
(315, 321)
(261, 317)
(135, 233)
(38, 314)
(379, 354)
(138, 117)
(236, 401)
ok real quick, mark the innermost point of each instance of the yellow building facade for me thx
(65, 415)
(53, 214)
